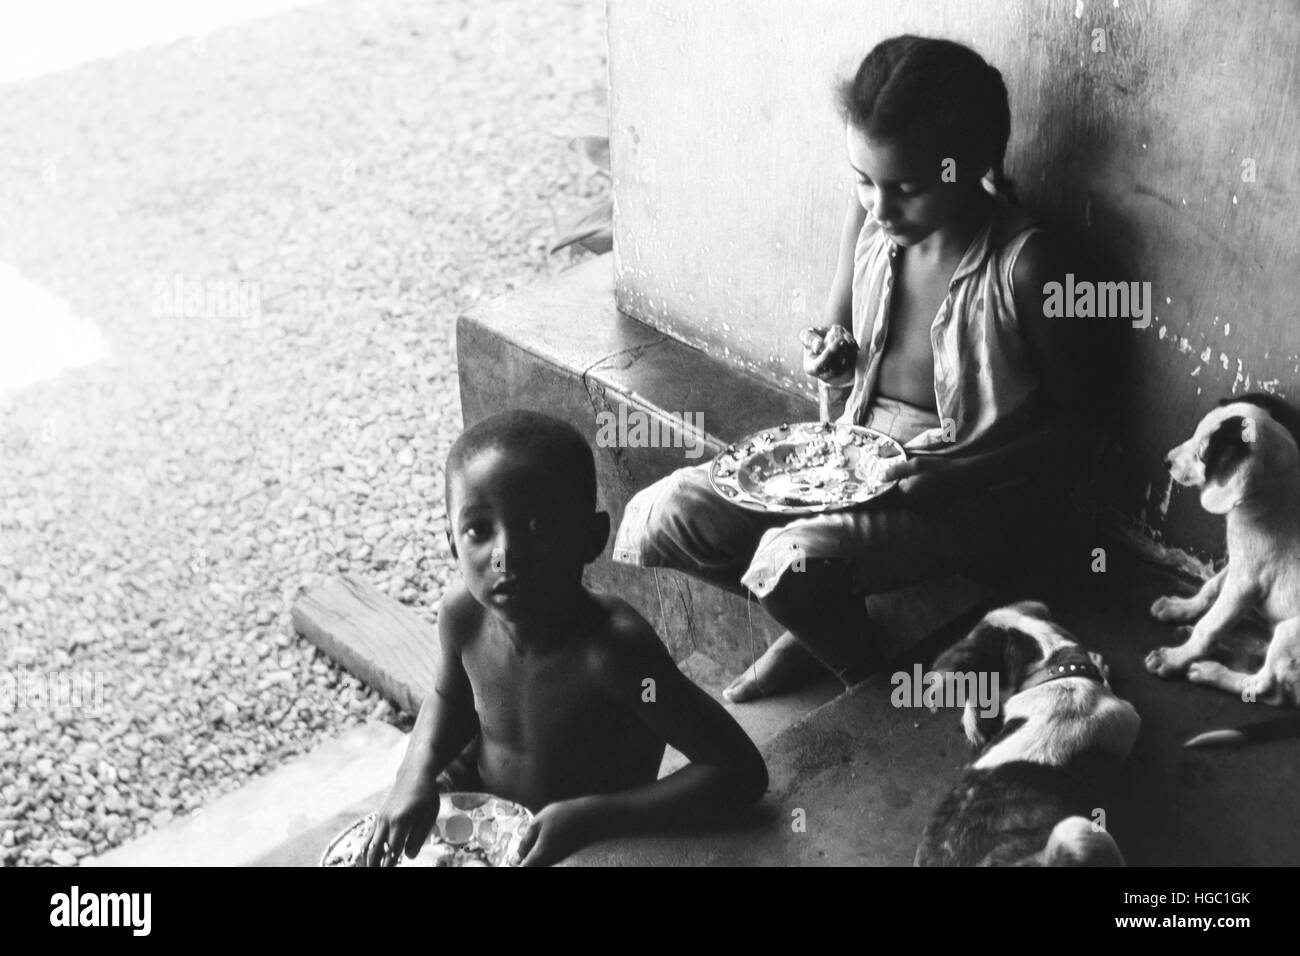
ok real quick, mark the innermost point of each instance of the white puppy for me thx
(1246, 463)
(1047, 759)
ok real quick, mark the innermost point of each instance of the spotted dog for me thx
(1046, 760)
(1243, 456)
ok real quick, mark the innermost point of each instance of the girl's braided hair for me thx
(908, 82)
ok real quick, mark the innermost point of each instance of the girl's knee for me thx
(814, 584)
(679, 521)
(658, 504)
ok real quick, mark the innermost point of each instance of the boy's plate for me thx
(473, 829)
(805, 468)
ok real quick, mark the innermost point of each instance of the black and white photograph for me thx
(651, 434)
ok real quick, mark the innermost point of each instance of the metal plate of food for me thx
(804, 468)
(473, 829)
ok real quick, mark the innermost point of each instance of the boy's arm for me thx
(1058, 345)
(725, 775)
(445, 726)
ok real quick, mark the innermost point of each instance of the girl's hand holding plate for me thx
(921, 481)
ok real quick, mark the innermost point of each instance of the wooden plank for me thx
(372, 636)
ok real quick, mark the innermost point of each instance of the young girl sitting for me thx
(941, 279)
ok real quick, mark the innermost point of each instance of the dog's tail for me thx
(1279, 728)
(1075, 841)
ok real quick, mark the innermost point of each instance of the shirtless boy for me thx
(547, 693)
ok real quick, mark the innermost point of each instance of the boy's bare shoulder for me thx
(459, 615)
(624, 637)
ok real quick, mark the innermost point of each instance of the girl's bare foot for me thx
(786, 664)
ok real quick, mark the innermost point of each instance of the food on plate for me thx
(808, 467)
(472, 829)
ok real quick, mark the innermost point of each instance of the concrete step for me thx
(761, 719)
(244, 826)
(861, 777)
(852, 783)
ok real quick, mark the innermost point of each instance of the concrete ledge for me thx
(562, 345)
(334, 780)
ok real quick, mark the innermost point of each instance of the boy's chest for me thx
(513, 694)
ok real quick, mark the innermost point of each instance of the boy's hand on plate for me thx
(558, 830)
(829, 353)
(404, 822)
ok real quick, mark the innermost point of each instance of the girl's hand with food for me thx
(830, 353)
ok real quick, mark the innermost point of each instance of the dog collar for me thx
(1067, 663)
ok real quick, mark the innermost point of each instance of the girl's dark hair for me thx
(908, 83)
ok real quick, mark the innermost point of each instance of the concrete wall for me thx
(731, 180)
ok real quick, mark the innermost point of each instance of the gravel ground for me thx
(365, 171)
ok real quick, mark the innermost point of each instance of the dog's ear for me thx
(1225, 455)
(991, 649)
(1020, 653)
(980, 650)
(1278, 410)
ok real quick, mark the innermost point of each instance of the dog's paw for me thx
(1206, 672)
(1166, 662)
(1172, 609)
(1075, 841)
